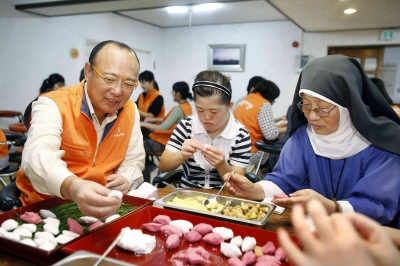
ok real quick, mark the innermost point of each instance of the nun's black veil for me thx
(342, 80)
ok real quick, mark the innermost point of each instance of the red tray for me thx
(43, 257)
(99, 241)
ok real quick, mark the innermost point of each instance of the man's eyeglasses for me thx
(128, 86)
(322, 112)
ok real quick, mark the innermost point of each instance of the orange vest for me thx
(79, 141)
(246, 113)
(3, 148)
(396, 109)
(145, 103)
(162, 136)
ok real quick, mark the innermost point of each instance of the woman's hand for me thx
(149, 120)
(214, 156)
(240, 186)
(189, 147)
(302, 197)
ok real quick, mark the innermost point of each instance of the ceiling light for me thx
(177, 9)
(205, 7)
(350, 11)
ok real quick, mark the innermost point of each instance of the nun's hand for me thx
(242, 187)
(302, 197)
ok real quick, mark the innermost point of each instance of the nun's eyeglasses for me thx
(322, 112)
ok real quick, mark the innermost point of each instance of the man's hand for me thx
(92, 198)
(335, 241)
(341, 239)
(117, 182)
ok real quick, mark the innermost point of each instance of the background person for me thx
(343, 150)
(382, 88)
(250, 87)
(85, 140)
(273, 158)
(255, 113)
(180, 94)
(150, 102)
(82, 75)
(4, 157)
(52, 83)
(211, 142)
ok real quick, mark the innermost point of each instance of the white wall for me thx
(392, 55)
(268, 53)
(316, 44)
(33, 47)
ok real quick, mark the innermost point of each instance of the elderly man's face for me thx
(118, 64)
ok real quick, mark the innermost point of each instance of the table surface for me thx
(274, 222)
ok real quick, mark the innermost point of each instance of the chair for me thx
(18, 127)
(174, 178)
(11, 170)
(14, 131)
(11, 114)
(153, 156)
(160, 136)
(267, 147)
(9, 197)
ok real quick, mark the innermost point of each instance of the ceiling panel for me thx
(309, 15)
(327, 15)
(233, 12)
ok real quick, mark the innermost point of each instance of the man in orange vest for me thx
(150, 102)
(85, 141)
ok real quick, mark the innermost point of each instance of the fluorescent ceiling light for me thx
(205, 7)
(350, 11)
(177, 9)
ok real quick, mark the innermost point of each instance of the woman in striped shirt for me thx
(210, 143)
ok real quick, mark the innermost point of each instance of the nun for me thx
(343, 150)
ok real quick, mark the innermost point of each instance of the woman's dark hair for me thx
(98, 47)
(82, 75)
(48, 83)
(155, 84)
(381, 87)
(146, 76)
(268, 90)
(206, 91)
(183, 88)
(253, 82)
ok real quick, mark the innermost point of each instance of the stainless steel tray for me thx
(222, 200)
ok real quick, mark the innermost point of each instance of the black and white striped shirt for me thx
(234, 141)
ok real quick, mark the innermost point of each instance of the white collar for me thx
(108, 119)
(345, 142)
